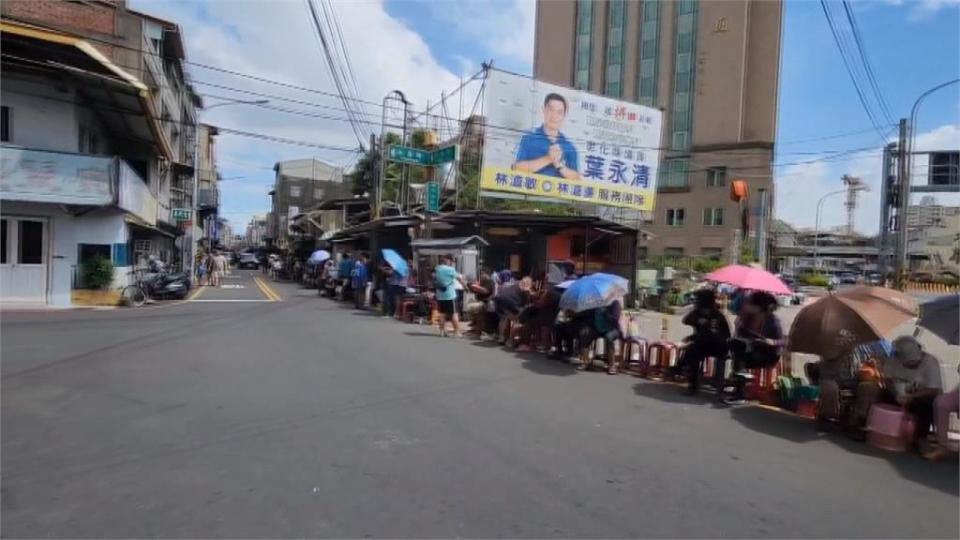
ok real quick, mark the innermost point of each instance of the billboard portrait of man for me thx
(545, 150)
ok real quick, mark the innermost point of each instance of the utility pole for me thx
(762, 226)
(903, 200)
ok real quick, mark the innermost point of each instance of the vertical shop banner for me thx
(551, 141)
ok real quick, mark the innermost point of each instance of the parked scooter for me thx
(167, 285)
(156, 283)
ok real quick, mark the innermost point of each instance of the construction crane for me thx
(854, 185)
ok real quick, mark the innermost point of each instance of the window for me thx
(673, 173)
(648, 54)
(675, 217)
(3, 240)
(673, 252)
(682, 121)
(616, 23)
(4, 124)
(712, 252)
(295, 191)
(716, 177)
(713, 217)
(30, 242)
(581, 77)
(318, 193)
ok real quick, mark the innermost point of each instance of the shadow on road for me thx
(540, 364)
(672, 393)
(942, 476)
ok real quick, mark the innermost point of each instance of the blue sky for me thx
(423, 47)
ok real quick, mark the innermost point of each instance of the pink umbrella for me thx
(748, 277)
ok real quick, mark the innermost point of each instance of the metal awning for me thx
(466, 245)
(121, 100)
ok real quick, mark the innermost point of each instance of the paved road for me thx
(302, 417)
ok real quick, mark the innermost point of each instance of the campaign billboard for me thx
(550, 141)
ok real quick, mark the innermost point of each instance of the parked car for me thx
(874, 278)
(248, 260)
(847, 278)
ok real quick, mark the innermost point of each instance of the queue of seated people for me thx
(525, 314)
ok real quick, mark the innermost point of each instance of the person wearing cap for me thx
(709, 339)
(910, 378)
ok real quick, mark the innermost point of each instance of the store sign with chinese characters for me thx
(550, 141)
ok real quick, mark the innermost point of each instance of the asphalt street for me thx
(264, 411)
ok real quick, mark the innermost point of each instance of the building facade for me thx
(256, 232)
(712, 67)
(208, 185)
(300, 185)
(97, 152)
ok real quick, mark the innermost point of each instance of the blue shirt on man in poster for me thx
(536, 144)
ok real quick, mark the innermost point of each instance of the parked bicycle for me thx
(149, 286)
(135, 294)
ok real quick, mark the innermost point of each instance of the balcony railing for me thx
(208, 198)
(135, 195)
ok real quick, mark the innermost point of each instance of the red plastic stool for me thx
(664, 358)
(406, 310)
(761, 388)
(639, 346)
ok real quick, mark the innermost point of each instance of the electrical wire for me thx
(850, 70)
(858, 40)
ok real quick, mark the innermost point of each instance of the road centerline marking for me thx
(263, 288)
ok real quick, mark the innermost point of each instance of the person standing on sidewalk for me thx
(216, 266)
(446, 277)
(359, 278)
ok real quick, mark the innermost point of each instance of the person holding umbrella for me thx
(395, 271)
(757, 344)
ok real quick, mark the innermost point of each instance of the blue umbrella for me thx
(319, 256)
(396, 262)
(940, 317)
(594, 291)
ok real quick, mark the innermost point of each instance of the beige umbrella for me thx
(849, 318)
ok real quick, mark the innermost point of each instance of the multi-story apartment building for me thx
(300, 185)
(256, 233)
(98, 131)
(712, 67)
(929, 214)
(208, 184)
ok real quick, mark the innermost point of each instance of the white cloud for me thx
(275, 40)
(799, 187)
(504, 28)
(927, 8)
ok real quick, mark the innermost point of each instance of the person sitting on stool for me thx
(758, 342)
(710, 334)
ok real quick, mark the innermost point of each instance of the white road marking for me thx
(231, 300)
(231, 286)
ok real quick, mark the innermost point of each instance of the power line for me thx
(335, 69)
(311, 104)
(858, 40)
(850, 70)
